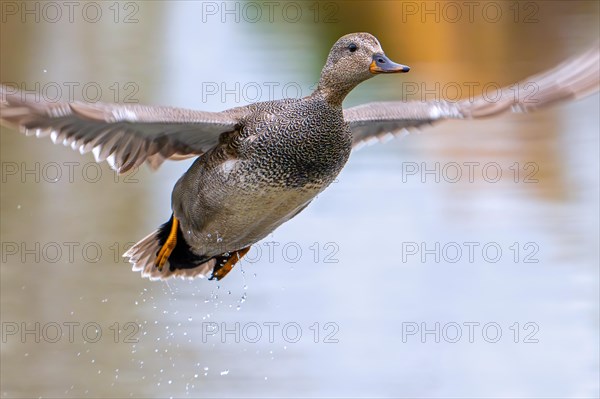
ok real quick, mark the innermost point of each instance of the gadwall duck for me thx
(258, 165)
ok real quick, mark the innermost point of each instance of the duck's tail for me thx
(180, 261)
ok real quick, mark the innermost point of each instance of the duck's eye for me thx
(352, 47)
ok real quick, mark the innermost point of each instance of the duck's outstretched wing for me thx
(125, 135)
(572, 79)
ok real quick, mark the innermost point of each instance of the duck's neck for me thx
(334, 92)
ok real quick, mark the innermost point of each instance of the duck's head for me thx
(353, 59)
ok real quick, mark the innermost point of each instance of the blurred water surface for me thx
(342, 274)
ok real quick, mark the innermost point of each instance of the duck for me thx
(258, 166)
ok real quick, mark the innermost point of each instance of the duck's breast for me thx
(302, 143)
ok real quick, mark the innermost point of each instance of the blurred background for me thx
(458, 262)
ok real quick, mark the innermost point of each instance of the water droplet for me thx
(224, 372)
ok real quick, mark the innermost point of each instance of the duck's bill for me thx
(382, 64)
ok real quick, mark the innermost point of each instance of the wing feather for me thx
(127, 134)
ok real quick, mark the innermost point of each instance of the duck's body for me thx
(259, 165)
(279, 156)
(261, 175)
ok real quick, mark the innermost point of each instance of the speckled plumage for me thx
(261, 175)
(260, 165)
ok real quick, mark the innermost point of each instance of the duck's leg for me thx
(168, 246)
(225, 263)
